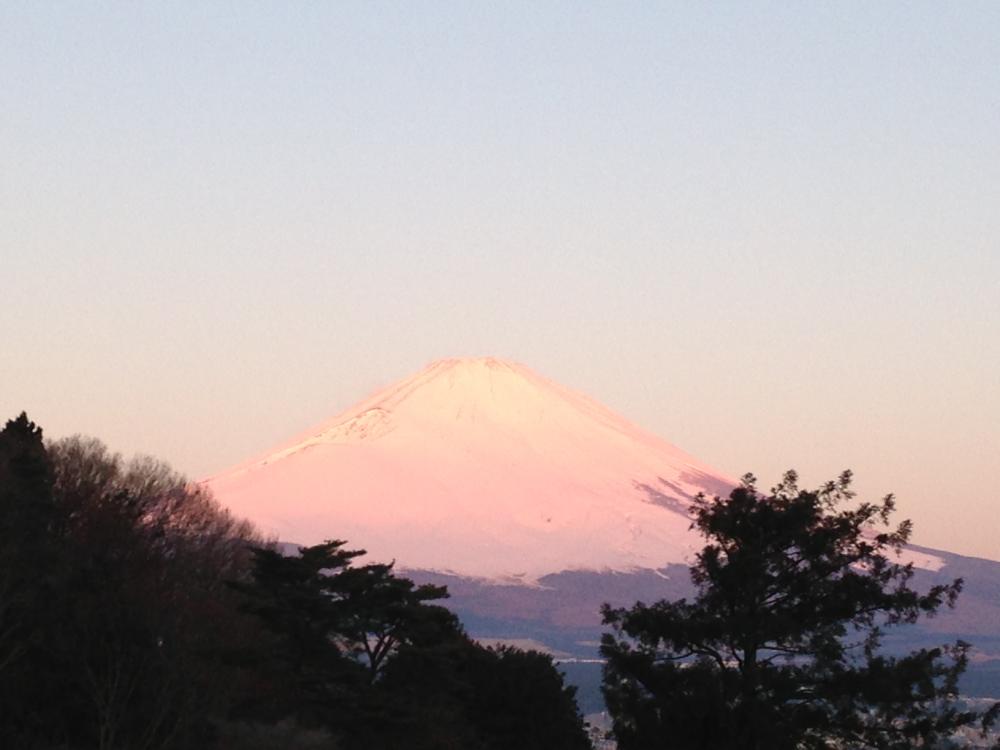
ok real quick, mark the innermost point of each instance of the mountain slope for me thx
(484, 476)
(480, 468)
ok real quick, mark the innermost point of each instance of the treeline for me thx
(136, 613)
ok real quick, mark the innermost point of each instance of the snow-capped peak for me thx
(479, 467)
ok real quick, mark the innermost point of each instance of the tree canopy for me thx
(370, 657)
(114, 608)
(137, 614)
(781, 646)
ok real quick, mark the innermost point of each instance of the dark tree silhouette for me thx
(368, 656)
(150, 613)
(335, 625)
(780, 648)
(524, 702)
(29, 575)
(136, 614)
(115, 608)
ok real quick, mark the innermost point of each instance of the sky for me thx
(769, 233)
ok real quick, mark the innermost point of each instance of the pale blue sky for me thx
(768, 232)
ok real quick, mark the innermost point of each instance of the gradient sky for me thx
(768, 232)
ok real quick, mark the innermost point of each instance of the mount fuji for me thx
(532, 502)
(480, 468)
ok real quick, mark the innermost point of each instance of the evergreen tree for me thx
(522, 701)
(30, 575)
(334, 626)
(780, 648)
(365, 653)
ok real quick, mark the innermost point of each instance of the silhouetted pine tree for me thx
(780, 647)
(365, 654)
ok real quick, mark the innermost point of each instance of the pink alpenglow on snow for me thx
(480, 468)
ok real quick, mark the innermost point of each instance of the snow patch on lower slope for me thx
(920, 559)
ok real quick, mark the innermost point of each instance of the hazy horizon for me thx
(768, 234)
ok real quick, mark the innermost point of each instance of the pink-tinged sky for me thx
(769, 234)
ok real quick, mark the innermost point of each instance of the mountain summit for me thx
(475, 473)
(480, 468)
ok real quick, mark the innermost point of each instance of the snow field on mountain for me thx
(480, 468)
